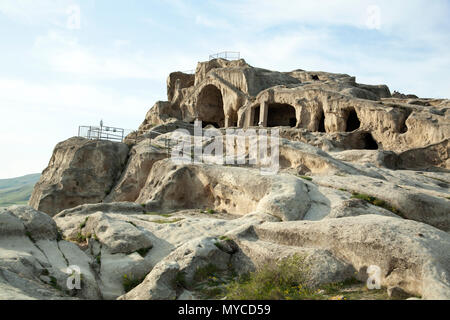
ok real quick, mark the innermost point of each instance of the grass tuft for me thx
(283, 280)
(54, 283)
(166, 215)
(28, 234)
(129, 282)
(98, 259)
(83, 224)
(376, 202)
(80, 238)
(219, 246)
(180, 280)
(161, 221)
(203, 273)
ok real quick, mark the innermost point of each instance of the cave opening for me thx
(322, 123)
(403, 126)
(256, 111)
(353, 122)
(281, 114)
(369, 142)
(210, 106)
(292, 122)
(214, 124)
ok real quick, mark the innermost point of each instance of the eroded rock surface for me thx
(363, 181)
(34, 261)
(411, 255)
(80, 171)
(234, 190)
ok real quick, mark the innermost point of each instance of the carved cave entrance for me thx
(256, 113)
(321, 127)
(369, 142)
(210, 107)
(353, 122)
(281, 115)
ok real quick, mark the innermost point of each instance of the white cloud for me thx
(317, 49)
(395, 16)
(31, 9)
(61, 13)
(264, 13)
(406, 47)
(283, 52)
(212, 23)
(35, 116)
(119, 43)
(64, 53)
(73, 98)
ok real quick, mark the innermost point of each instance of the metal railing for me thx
(167, 143)
(101, 133)
(118, 135)
(228, 55)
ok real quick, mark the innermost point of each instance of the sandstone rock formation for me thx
(141, 159)
(80, 171)
(363, 181)
(233, 93)
(233, 190)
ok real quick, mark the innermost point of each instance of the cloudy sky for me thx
(64, 63)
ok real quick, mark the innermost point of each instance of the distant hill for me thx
(17, 190)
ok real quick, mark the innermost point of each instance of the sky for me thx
(65, 63)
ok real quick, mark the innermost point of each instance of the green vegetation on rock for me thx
(287, 279)
(376, 202)
(161, 221)
(129, 282)
(282, 280)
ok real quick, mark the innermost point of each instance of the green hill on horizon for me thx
(17, 191)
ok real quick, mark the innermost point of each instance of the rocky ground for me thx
(140, 226)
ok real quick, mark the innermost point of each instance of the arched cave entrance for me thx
(281, 115)
(256, 112)
(322, 123)
(353, 122)
(369, 142)
(210, 107)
